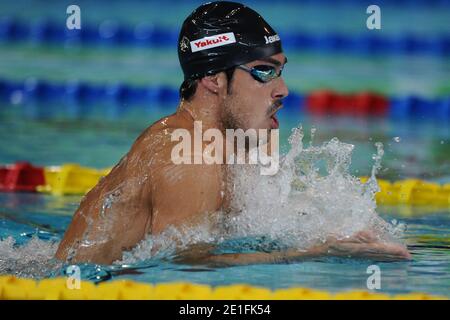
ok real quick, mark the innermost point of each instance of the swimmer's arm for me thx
(201, 254)
(378, 252)
(100, 237)
(102, 240)
(362, 246)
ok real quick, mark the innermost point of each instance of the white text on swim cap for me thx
(213, 41)
(272, 39)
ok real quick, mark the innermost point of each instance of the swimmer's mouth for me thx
(274, 109)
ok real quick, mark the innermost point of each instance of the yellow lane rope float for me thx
(74, 179)
(58, 289)
(70, 178)
(412, 192)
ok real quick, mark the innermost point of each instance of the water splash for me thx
(32, 260)
(298, 207)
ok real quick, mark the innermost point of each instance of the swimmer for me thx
(232, 62)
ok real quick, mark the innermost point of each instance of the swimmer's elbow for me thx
(98, 254)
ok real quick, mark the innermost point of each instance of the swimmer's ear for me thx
(215, 83)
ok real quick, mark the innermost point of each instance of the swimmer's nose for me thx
(281, 90)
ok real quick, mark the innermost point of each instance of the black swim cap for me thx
(219, 35)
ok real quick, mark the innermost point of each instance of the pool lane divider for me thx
(68, 179)
(73, 179)
(12, 288)
(110, 33)
(317, 103)
(21, 176)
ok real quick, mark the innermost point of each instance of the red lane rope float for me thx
(21, 176)
(360, 104)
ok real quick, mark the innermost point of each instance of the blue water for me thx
(100, 143)
(26, 215)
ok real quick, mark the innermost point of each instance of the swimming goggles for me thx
(262, 73)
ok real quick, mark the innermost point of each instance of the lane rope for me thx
(85, 96)
(12, 288)
(74, 179)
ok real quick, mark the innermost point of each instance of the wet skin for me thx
(146, 192)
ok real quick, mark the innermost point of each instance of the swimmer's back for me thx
(144, 193)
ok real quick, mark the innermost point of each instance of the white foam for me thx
(32, 260)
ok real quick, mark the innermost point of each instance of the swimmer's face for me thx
(250, 104)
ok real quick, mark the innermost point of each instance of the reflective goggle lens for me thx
(263, 73)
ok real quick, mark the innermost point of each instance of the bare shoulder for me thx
(179, 191)
(162, 129)
(116, 213)
(155, 142)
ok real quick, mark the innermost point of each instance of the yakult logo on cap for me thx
(213, 41)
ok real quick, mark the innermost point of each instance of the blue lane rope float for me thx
(402, 3)
(84, 94)
(81, 92)
(148, 35)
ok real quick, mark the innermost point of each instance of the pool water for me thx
(24, 216)
(100, 143)
(50, 133)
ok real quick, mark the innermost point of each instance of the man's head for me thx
(228, 50)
